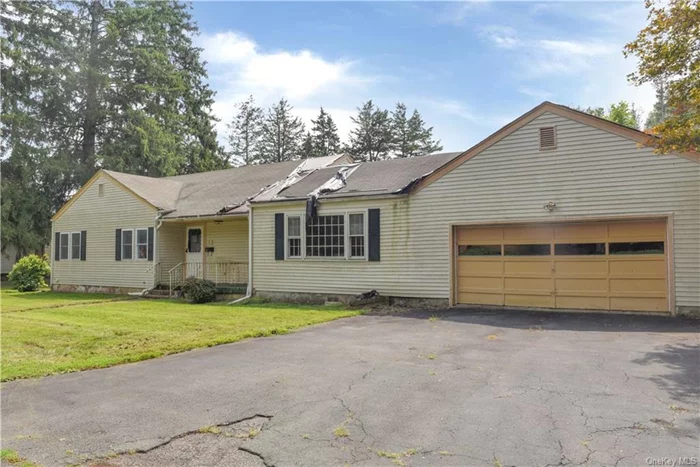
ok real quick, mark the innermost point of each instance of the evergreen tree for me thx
(324, 134)
(371, 138)
(307, 147)
(410, 137)
(96, 83)
(282, 135)
(245, 131)
(660, 111)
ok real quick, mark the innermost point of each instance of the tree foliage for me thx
(245, 132)
(660, 112)
(621, 112)
(324, 136)
(371, 139)
(410, 136)
(668, 49)
(92, 84)
(282, 134)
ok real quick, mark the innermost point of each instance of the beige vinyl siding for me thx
(100, 217)
(591, 174)
(229, 238)
(171, 248)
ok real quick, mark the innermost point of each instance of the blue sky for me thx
(469, 68)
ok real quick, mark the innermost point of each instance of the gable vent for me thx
(548, 138)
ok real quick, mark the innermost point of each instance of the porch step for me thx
(157, 293)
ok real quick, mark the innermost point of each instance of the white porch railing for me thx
(219, 273)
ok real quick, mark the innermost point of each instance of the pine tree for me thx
(324, 134)
(410, 137)
(282, 135)
(245, 131)
(307, 147)
(97, 84)
(371, 138)
(660, 111)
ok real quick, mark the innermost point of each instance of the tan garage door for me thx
(604, 266)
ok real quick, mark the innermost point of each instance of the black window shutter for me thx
(279, 236)
(150, 244)
(83, 242)
(118, 245)
(373, 230)
(57, 246)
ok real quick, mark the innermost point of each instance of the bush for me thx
(199, 290)
(29, 273)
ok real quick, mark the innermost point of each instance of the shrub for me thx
(29, 273)
(199, 290)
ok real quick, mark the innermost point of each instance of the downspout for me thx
(52, 255)
(158, 223)
(249, 288)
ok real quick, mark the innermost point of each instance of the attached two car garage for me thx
(604, 265)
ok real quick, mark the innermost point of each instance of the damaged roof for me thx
(392, 176)
(227, 192)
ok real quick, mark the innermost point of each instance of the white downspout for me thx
(52, 254)
(249, 288)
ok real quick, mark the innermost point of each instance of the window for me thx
(548, 138)
(357, 235)
(325, 236)
(637, 248)
(101, 190)
(526, 250)
(127, 244)
(194, 240)
(64, 246)
(479, 250)
(75, 245)
(294, 237)
(141, 243)
(579, 249)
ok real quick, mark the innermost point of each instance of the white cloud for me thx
(239, 67)
(501, 36)
(534, 92)
(585, 49)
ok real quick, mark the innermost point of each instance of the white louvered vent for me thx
(548, 138)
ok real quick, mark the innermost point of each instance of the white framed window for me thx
(294, 246)
(127, 244)
(141, 243)
(357, 234)
(64, 245)
(325, 237)
(101, 190)
(75, 245)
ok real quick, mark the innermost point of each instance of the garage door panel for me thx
(481, 298)
(531, 300)
(528, 233)
(635, 267)
(583, 303)
(652, 230)
(581, 267)
(534, 267)
(566, 286)
(620, 272)
(638, 304)
(637, 285)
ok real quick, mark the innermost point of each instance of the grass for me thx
(45, 340)
(11, 457)
(341, 432)
(12, 300)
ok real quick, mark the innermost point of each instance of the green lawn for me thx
(43, 341)
(11, 300)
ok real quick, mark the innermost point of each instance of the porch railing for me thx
(220, 273)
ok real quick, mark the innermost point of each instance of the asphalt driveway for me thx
(458, 387)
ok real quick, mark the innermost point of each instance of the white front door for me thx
(194, 253)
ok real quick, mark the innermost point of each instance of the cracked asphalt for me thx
(453, 387)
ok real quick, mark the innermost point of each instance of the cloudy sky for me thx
(469, 68)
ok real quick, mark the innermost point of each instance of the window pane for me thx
(75, 245)
(637, 248)
(325, 236)
(293, 226)
(64, 246)
(142, 236)
(479, 250)
(194, 240)
(127, 244)
(294, 247)
(579, 249)
(526, 250)
(357, 226)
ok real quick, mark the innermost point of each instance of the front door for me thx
(194, 253)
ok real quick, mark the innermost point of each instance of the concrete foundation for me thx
(94, 289)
